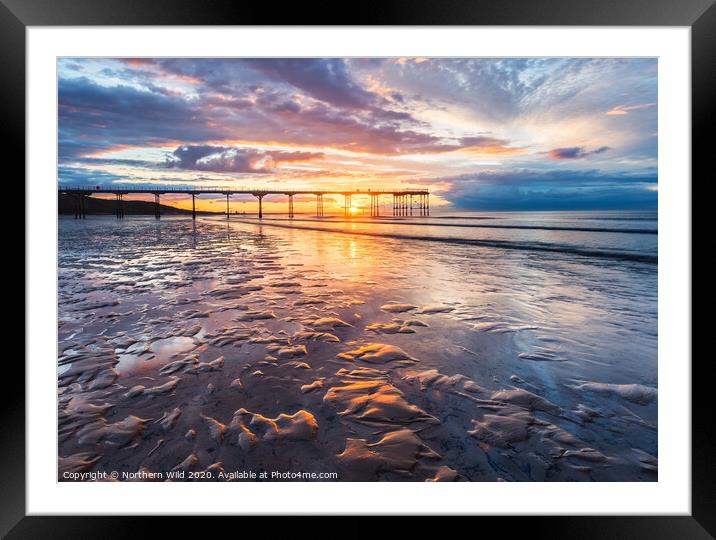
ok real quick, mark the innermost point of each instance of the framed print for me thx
(429, 261)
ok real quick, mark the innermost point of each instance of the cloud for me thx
(575, 152)
(494, 91)
(71, 176)
(529, 189)
(622, 110)
(325, 79)
(488, 145)
(232, 159)
(97, 161)
(94, 118)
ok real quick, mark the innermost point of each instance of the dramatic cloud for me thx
(94, 118)
(324, 79)
(525, 189)
(225, 159)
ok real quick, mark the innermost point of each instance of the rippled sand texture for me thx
(236, 347)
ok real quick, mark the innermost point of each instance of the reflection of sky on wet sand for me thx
(155, 293)
(555, 293)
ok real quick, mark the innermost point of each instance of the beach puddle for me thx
(169, 347)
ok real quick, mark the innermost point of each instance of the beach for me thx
(463, 347)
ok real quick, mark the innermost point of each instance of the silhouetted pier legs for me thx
(290, 206)
(319, 205)
(402, 205)
(227, 206)
(80, 207)
(374, 206)
(424, 205)
(120, 205)
(157, 213)
(261, 211)
(193, 206)
(347, 205)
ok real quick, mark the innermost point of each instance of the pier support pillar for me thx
(120, 208)
(290, 206)
(427, 204)
(347, 205)
(193, 206)
(227, 206)
(374, 208)
(157, 213)
(319, 205)
(261, 212)
(82, 207)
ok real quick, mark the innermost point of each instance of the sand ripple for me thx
(378, 353)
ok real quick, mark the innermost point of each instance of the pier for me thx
(406, 202)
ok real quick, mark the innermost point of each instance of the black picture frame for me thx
(699, 15)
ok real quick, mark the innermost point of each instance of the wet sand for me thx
(212, 349)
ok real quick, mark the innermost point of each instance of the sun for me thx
(354, 209)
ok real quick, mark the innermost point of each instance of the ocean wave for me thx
(480, 226)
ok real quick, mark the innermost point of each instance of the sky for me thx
(480, 133)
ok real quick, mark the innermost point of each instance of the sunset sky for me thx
(482, 134)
